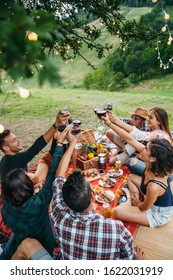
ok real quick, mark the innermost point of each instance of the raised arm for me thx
(114, 119)
(60, 119)
(124, 134)
(63, 166)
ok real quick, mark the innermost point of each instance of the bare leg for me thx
(128, 213)
(134, 182)
(27, 249)
(114, 138)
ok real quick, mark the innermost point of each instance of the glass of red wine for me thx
(108, 106)
(76, 127)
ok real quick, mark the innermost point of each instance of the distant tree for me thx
(117, 82)
(134, 78)
(60, 30)
(133, 64)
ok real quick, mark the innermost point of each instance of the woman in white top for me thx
(159, 128)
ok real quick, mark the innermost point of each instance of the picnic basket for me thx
(87, 137)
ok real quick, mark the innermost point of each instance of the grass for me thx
(46, 101)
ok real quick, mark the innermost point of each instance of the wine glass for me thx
(100, 127)
(108, 106)
(76, 127)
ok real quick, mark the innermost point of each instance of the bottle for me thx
(102, 161)
(106, 210)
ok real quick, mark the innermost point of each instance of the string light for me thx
(31, 36)
(23, 92)
(165, 28)
(1, 128)
(167, 16)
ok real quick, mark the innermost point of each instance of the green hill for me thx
(72, 72)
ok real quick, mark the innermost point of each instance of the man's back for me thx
(87, 235)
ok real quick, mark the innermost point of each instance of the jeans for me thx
(137, 168)
(6, 253)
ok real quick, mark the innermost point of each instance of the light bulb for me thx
(154, 1)
(166, 16)
(1, 128)
(32, 36)
(164, 28)
(24, 93)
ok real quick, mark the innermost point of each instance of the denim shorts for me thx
(41, 254)
(159, 216)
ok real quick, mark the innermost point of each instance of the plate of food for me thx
(104, 196)
(92, 174)
(115, 173)
(107, 182)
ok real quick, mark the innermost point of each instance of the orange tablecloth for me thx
(117, 190)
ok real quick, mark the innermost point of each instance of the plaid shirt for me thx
(88, 235)
(144, 126)
(32, 218)
(5, 232)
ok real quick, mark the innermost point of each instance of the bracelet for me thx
(54, 125)
(109, 124)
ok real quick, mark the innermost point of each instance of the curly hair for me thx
(3, 135)
(77, 193)
(17, 187)
(162, 150)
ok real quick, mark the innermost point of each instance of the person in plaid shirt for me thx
(81, 232)
(26, 213)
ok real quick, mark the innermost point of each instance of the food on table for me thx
(91, 172)
(91, 151)
(107, 182)
(104, 196)
(115, 173)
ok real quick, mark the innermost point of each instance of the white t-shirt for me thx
(145, 136)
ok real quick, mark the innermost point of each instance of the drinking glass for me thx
(108, 106)
(76, 127)
(100, 127)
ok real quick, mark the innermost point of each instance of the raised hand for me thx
(62, 118)
(112, 116)
(61, 136)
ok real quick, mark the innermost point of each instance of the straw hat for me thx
(143, 113)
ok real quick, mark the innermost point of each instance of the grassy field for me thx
(46, 101)
(29, 118)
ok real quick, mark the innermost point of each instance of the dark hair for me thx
(17, 187)
(77, 192)
(162, 118)
(162, 150)
(3, 135)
